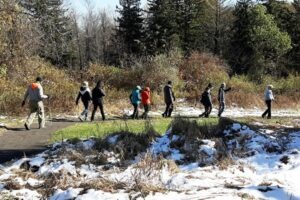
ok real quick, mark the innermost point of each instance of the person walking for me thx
(169, 99)
(268, 99)
(135, 99)
(206, 101)
(36, 106)
(85, 96)
(146, 101)
(221, 98)
(97, 98)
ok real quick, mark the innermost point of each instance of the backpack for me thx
(203, 97)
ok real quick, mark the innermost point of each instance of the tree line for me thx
(254, 37)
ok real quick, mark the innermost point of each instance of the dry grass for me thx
(103, 184)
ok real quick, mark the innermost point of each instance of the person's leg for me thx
(102, 110)
(94, 111)
(134, 111)
(203, 114)
(33, 109)
(269, 104)
(221, 108)
(146, 107)
(267, 110)
(209, 109)
(171, 106)
(41, 114)
(86, 110)
(165, 114)
(206, 111)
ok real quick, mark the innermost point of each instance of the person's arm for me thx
(90, 94)
(172, 94)
(271, 96)
(25, 97)
(41, 93)
(227, 90)
(102, 92)
(78, 97)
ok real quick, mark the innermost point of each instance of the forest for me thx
(192, 42)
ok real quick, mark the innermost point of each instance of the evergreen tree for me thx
(266, 40)
(282, 12)
(295, 36)
(55, 29)
(130, 27)
(160, 27)
(241, 54)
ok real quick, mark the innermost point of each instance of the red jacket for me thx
(146, 96)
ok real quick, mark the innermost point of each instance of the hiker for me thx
(85, 96)
(221, 98)
(135, 99)
(268, 99)
(97, 98)
(206, 101)
(169, 99)
(36, 95)
(146, 101)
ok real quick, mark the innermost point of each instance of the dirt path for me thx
(17, 142)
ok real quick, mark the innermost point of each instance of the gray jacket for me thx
(269, 95)
(221, 95)
(35, 92)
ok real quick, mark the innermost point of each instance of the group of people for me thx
(138, 95)
(206, 99)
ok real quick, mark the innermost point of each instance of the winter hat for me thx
(85, 84)
(270, 87)
(138, 87)
(38, 79)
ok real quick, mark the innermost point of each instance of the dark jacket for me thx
(97, 95)
(206, 97)
(169, 94)
(84, 94)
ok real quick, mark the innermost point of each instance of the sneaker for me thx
(80, 119)
(26, 127)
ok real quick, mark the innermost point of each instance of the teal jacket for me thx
(135, 96)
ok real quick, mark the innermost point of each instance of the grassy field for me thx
(101, 129)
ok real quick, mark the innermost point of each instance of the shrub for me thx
(199, 70)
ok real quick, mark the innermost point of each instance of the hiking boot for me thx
(26, 127)
(41, 127)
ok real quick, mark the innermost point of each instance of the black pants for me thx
(96, 105)
(169, 109)
(268, 111)
(86, 109)
(146, 108)
(221, 108)
(135, 114)
(207, 110)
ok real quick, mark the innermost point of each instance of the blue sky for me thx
(80, 5)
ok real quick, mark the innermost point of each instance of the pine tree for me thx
(54, 29)
(130, 27)
(241, 52)
(161, 26)
(268, 42)
(295, 36)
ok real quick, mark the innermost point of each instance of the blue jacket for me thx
(135, 96)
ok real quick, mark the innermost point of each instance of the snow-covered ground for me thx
(262, 164)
